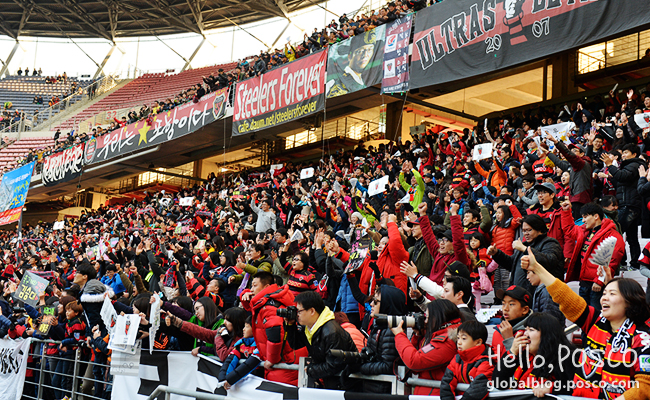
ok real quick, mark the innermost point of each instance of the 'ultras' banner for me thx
(462, 38)
(356, 63)
(63, 166)
(13, 365)
(396, 55)
(13, 193)
(163, 127)
(281, 95)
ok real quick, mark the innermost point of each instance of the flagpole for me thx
(19, 243)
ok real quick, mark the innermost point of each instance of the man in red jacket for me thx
(588, 237)
(263, 300)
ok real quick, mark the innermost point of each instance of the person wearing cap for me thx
(549, 209)
(595, 229)
(516, 305)
(461, 175)
(432, 289)
(579, 165)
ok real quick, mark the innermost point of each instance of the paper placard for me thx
(109, 315)
(185, 201)
(306, 173)
(154, 319)
(297, 235)
(406, 199)
(337, 187)
(58, 225)
(558, 131)
(274, 167)
(30, 288)
(482, 151)
(126, 330)
(642, 120)
(378, 186)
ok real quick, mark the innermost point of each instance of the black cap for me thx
(517, 293)
(446, 234)
(457, 268)
(427, 175)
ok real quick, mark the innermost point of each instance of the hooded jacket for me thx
(381, 341)
(469, 366)
(587, 271)
(581, 181)
(269, 331)
(626, 178)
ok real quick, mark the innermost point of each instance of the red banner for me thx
(283, 94)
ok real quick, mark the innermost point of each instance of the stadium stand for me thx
(145, 90)
(20, 148)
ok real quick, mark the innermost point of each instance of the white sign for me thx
(274, 167)
(558, 131)
(58, 225)
(406, 199)
(185, 201)
(154, 319)
(482, 151)
(337, 187)
(297, 235)
(642, 120)
(306, 173)
(13, 354)
(378, 186)
(127, 364)
(126, 329)
(109, 315)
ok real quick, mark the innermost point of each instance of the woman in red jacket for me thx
(428, 353)
(503, 234)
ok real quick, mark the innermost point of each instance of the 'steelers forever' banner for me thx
(463, 38)
(355, 63)
(165, 126)
(63, 166)
(281, 95)
(396, 56)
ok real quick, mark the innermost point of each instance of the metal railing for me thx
(622, 50)
(182, 392)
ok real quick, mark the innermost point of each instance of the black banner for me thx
(163, 127)
(63, 166)
(463, 38)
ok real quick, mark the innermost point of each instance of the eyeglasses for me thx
(298, 311)
(443, 240)
(297, 259)
(375, 301)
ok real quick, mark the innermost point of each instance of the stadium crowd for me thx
(265, 267)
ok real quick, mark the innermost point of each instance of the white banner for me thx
(643, 120)
(378, 186)
(482, 151)
(306, 173)
(185, 201)
(13, 358)
(558, 131)
(58, 225)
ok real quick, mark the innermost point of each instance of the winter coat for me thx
(586, 271)
(581, 182)
(503, 236)
(501, 345)
(548, 253)
(388, 263)
(471, 367)
(355, 334)
(269, 331)
(543, 302)
(381, 341)
(442, 261)
(496, 178)
(554, 226)
(428, 360)
(626, 178)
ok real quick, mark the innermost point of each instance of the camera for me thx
(415, 320)
(350, 357)
(290, 313)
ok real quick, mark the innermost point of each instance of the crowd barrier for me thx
(82, 384)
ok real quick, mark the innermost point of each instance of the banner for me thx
(63, 166)
(558, 131)
(13, 193)
(482, 151)
(306, 173)
(283, 94)
(355, 63)
(13, 358)
(396, 55)
(30, 288)
(378, 186)
(464, 38)
(162, 127)
(642, 120)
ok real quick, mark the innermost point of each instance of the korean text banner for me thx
(13, 193)
(463, 38)
(163, 127)
(396, 56)
(355, 63)
(63, 166)
(282, 94)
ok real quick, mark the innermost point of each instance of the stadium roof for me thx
(110, 19)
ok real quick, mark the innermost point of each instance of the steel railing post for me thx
(39, 394)
(75, 373)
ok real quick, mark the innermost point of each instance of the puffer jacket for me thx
(503, 236)
(554, 225)
(441, 261)
(381, 342)
(581, 182)
(626, 178)
(469, 366)
(429, 360)
(543, 302)
(548, 253)
(269, 331)
(586, 271)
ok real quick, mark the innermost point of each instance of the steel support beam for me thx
(195, 7)
(100, 68)
(5, 67)
(88, 19)
(163, 6)
(5, 28)
(172, 49)
(189, 61)
(281, 33)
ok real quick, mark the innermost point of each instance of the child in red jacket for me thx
(471, 365)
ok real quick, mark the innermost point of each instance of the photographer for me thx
(263, 300)
(322, 334)
(430, 350)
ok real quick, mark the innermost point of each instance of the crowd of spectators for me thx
(447, 234)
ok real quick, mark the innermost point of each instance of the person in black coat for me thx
(322, 334)
(380, 346)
